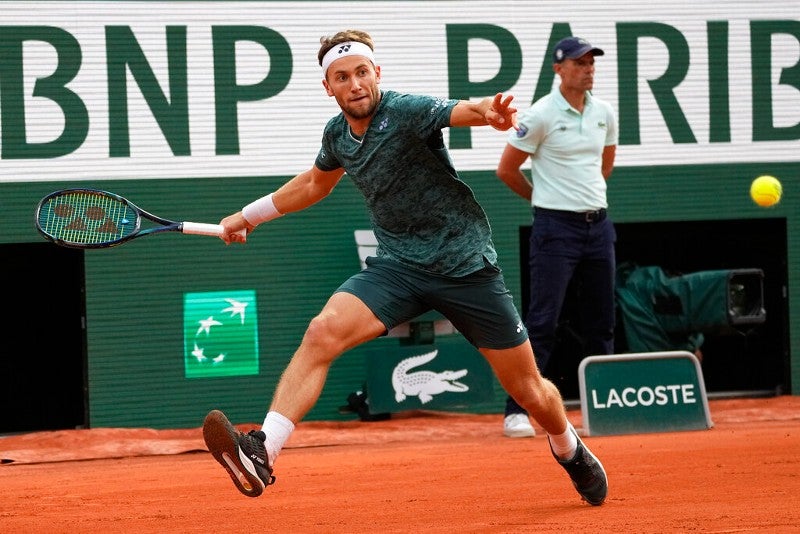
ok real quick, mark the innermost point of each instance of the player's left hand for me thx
(501, 116)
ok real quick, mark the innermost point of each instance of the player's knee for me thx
(321, 331)
(328, 334)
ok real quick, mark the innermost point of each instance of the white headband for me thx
(350, 48)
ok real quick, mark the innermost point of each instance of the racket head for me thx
(86, 218)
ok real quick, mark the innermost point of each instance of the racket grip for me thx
(205, 229)
(202, 229)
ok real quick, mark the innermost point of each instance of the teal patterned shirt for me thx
(422, 213)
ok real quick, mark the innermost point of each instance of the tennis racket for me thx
(90, 218)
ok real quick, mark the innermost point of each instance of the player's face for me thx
(353, 81)
(577, 74)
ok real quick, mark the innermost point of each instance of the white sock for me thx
(277, 429)
(564, 445)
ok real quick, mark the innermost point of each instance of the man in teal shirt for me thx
(434, 251)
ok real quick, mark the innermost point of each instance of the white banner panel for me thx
(280, 134)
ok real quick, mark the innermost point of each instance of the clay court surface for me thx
(418, 472)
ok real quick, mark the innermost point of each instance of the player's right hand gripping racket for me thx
(90, 218)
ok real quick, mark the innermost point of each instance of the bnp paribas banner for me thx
(150, 89)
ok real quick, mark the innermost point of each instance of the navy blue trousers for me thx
(570, 247)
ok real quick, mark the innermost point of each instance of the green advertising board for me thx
(642, 392)
(220, 331)
(449, 374)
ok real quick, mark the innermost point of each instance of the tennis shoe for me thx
(243, 456)
(586, 472)
(517, 425)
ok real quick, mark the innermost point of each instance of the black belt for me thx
(582, 216)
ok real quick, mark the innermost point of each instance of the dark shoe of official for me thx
(586, 472)
(242, 455)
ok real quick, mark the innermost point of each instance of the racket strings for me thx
(87, 218)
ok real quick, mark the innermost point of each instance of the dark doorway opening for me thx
(752, 361)
(43, 380)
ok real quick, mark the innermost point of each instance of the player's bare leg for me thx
(517, 372)
(344, 323)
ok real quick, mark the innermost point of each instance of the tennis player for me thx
(435, 251)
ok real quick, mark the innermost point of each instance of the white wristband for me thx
(261, 210)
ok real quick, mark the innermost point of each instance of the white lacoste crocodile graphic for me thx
(424, 384)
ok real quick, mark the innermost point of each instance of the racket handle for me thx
(205, 229)
(202, 229)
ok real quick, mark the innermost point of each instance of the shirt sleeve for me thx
(426, 114)
(531, 133)
(326, 158)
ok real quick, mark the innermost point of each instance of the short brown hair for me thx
(329, 41)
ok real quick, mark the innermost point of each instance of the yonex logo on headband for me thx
(350, 48)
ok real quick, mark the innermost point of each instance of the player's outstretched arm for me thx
(302, 191)
(495, 111)
(306, 189)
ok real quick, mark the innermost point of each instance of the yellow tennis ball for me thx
(766, 191)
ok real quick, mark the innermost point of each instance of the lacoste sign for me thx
(643, 392)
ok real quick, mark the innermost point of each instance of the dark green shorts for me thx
(479, 305)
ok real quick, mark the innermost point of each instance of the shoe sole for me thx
(222, 440)
(519, 433)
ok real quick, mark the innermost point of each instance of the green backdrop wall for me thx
(134, 292)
